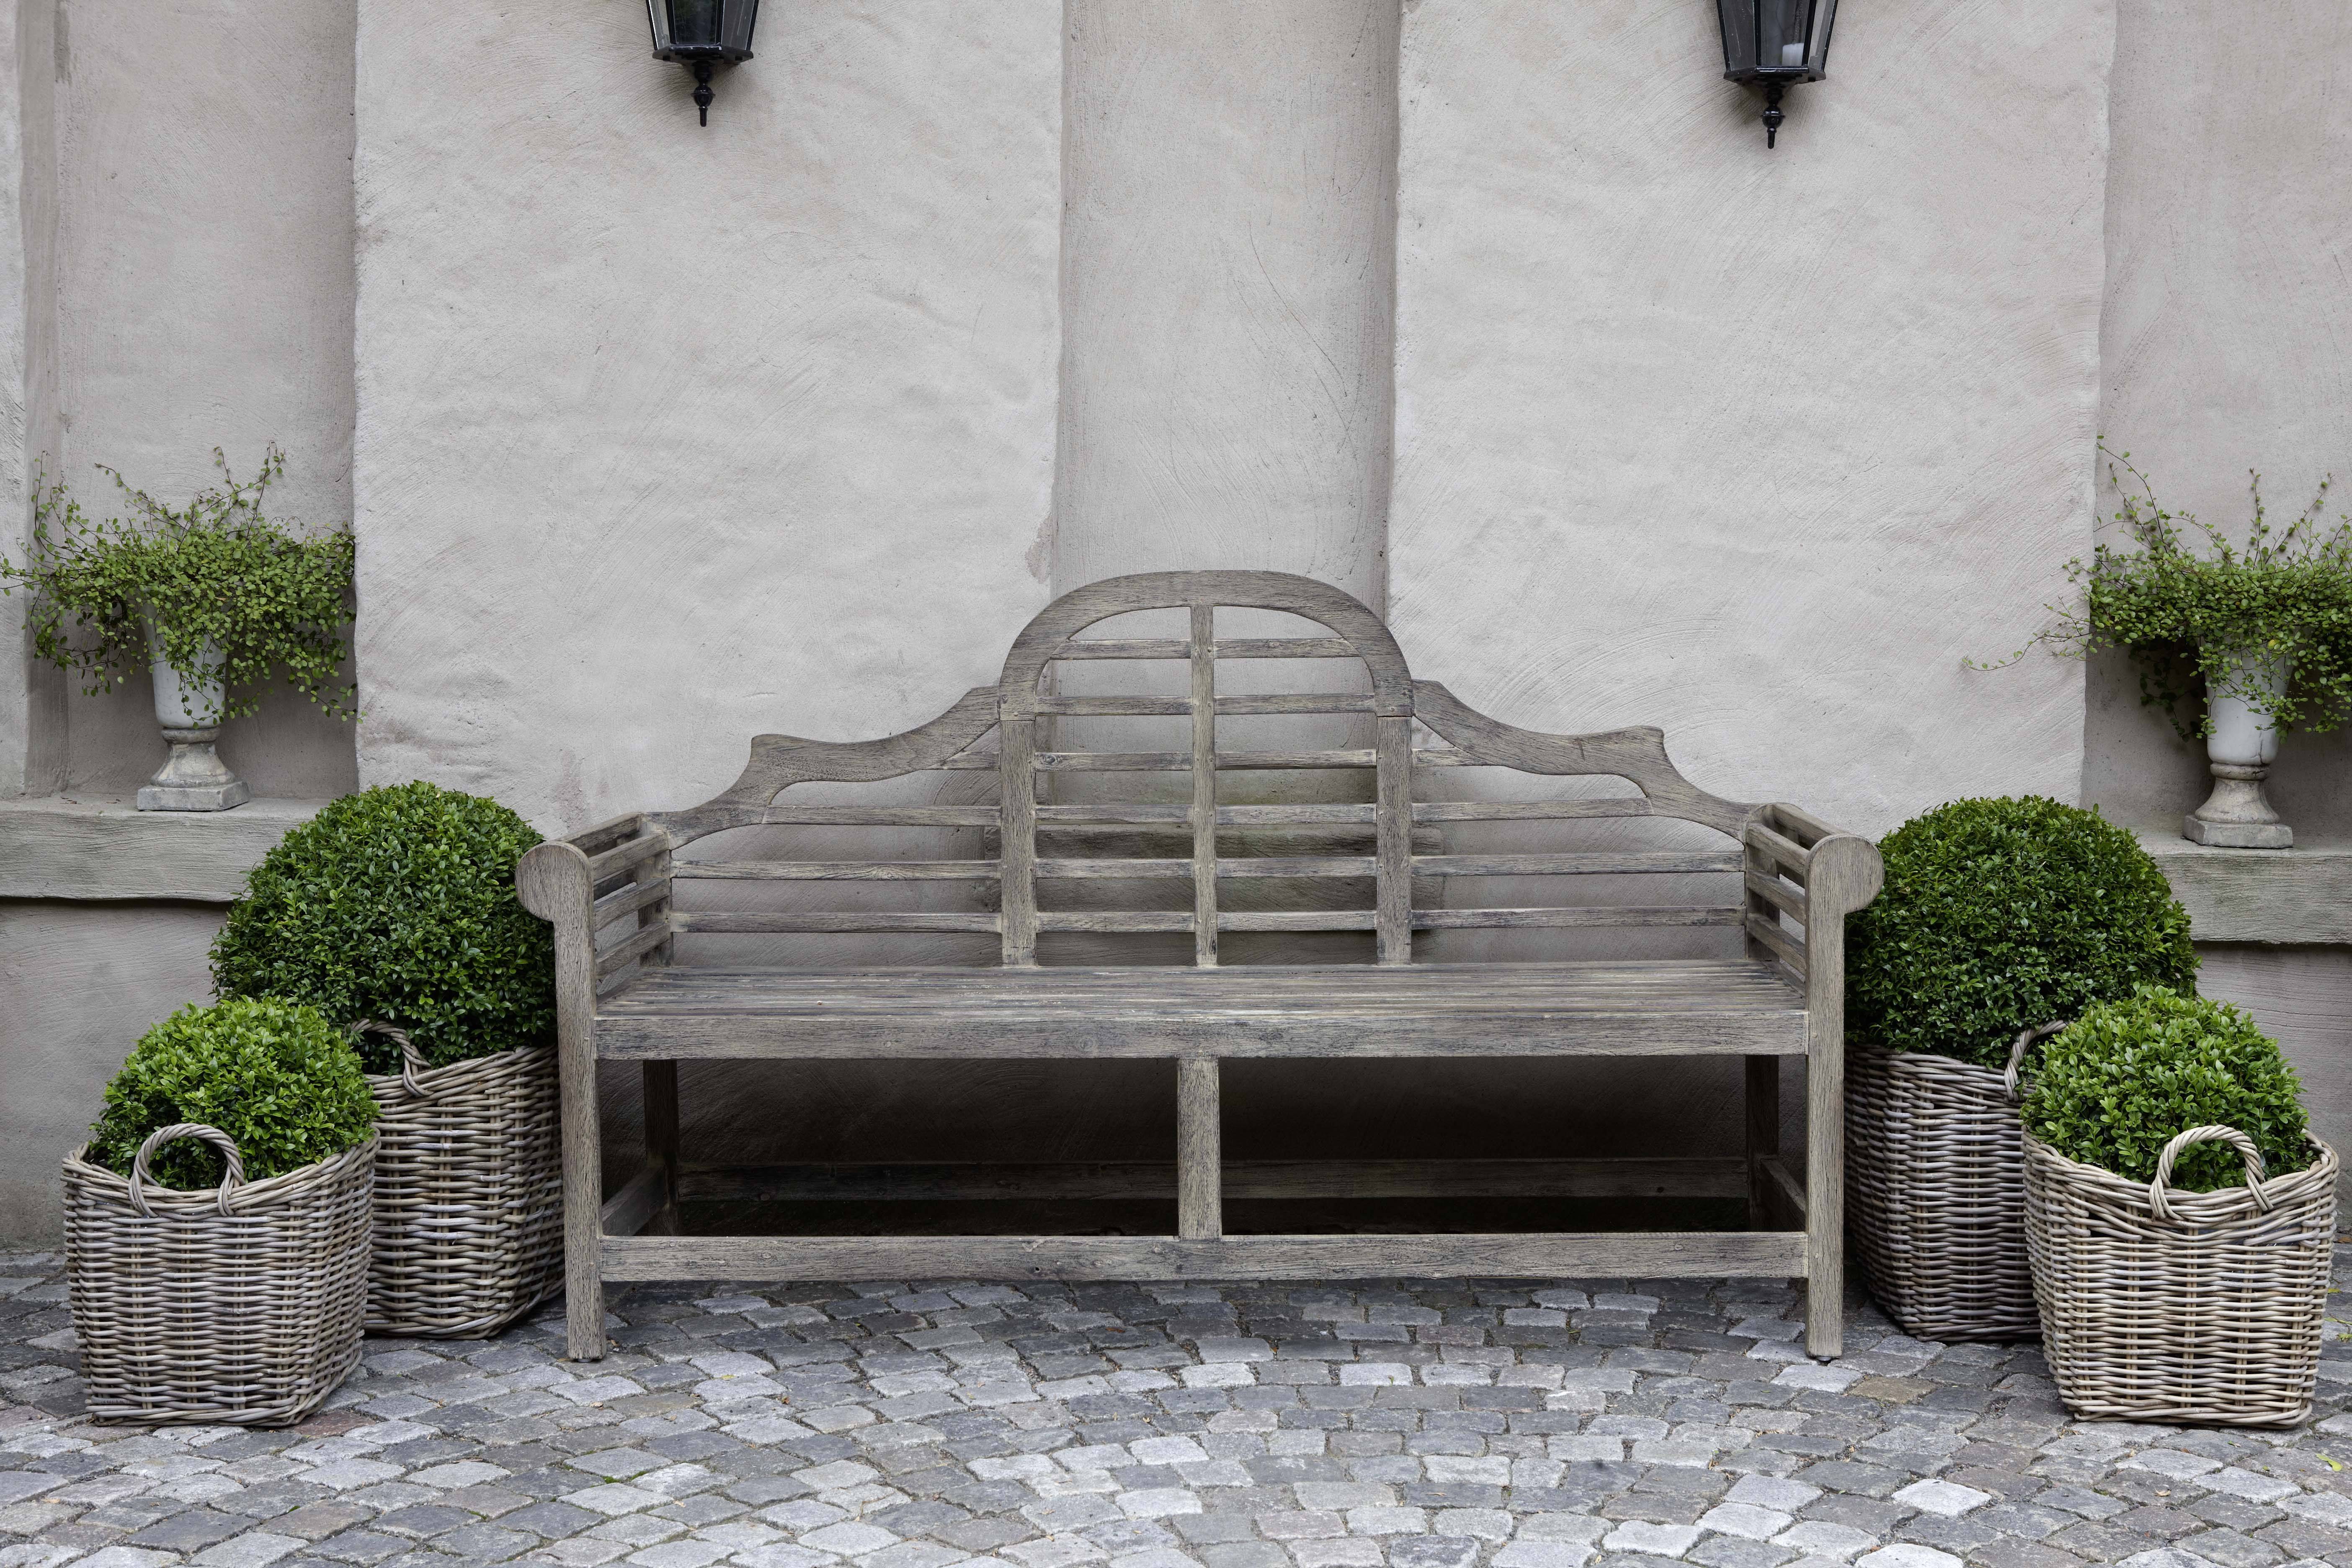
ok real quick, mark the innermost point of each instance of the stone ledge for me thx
(97, 847)
(2298, 896)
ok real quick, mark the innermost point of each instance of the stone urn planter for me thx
(2241, 748)
(192, 777)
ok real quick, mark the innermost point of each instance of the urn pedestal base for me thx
(192, 777)
(2236, 816)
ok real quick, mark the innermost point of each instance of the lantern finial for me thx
(1772, 115)
(702, 35)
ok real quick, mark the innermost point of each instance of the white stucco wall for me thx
(21, 124)
(668, 435)
(1755, 445)
(1227, 266)
(2227, 338)
(78, 984)
(202, 299)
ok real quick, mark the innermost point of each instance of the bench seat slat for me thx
(1706, 980)
(1692, 1008)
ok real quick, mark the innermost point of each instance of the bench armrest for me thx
(1802, 867)
(584, 884)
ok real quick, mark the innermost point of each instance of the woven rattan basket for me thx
(2159, 1305)
(468, 1192)
(1936, 1191)
(235, 1306)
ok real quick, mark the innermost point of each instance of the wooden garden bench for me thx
(1051, 859)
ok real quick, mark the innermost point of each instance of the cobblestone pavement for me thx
(923, 1424)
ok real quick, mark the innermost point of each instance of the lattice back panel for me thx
(1180, 837)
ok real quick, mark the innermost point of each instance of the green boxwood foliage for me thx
(398, 904)
(2127, 1077)
(2185, 617)
(2002, 914)
(274, 1076)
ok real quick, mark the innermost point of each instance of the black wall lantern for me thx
(1776, 42)
(700, 34)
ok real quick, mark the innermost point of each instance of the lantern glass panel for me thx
(693, 23)
(1739, 37)
(736, 30)
(703, 26)
(1769, 38)
(1780, 33)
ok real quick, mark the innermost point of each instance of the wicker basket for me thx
(1935, 1191)
(468, 1192)
(2159, 1305)
(238, 1306)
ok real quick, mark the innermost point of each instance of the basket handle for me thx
(231, 1180)
(2244, 1145)
(2025, 1040)
(412, 1060)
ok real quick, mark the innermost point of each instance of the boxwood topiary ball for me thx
(2125, 1078)
(398, 904)
(1998, 915)
(275, 1076)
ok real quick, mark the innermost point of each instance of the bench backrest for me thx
(1037, 812)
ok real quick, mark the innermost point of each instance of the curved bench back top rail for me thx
(1017, 706)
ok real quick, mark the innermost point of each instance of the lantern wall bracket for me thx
(1775, 45)
(701, 36)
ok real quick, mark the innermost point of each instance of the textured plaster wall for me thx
(1755, 446)
(25, 233)
(78, 984)
(1227, 269)
(2223, 348)
(202, 298)
(2226, 342)
(2302, 997)
(668, 435)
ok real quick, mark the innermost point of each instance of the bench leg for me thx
(661, 1142)
(555, 883)
(1199, 1152)
(583, 1203)
(1826, 1201)
(1763, 1101)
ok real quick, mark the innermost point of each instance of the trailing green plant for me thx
(275, 1076)
(2193, 623)
(2000, 915)
(398, 904)
(2127, 1077)
(213, 574)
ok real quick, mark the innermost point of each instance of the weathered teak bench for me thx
(1788, 881)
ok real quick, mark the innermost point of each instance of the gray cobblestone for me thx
(955, 1425)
